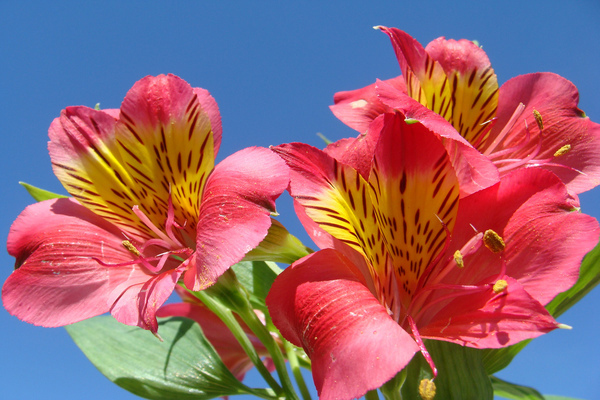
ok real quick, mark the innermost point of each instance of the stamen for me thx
(483, 134)
(493, 241)
(153, 228)
(507, 128)
(427, 389)
(426, 355)
(538, 119)
(458, 259)
(563, 150)
(500, 286)
(129, 246)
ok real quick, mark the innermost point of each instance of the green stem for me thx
(372, 395)
(229, 320)
(262, 333)
(391, 389)
(268, 394)
(295, 366)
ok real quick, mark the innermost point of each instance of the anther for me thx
(129, 246)
(563, 150)
(493, 241)
(499, 286)
(458, 259)
(538, 119)
(427, 389)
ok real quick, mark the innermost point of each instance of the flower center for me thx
(174, 248)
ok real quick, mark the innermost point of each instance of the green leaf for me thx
(511, 391)
(551, 397)
(279, 246)
(461, 374)
(185, 366)
(495, 360)
(40, 194)
(589, 277)
(257, 278)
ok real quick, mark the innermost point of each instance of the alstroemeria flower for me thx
(149, 207)
(405, 257)
(218, 334)
(532, 120)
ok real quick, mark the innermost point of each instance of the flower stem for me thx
(262, 333)
(229, 320)
(391, 389)
(372, 395)
(295, 366)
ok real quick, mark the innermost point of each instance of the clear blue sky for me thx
(273, 69)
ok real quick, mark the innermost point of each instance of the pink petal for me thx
(546, 237)
(138, 303)
(556, 99)
(235, 212)
(209, 105)
(322, 304)
(57, 281)
(357, 108)
(474, 170)
(462, 55)
(489, 320)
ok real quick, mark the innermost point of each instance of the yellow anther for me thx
(458, 259)
(129, 246)
(493, 241)
(499, 286)
(563, 150)
(538, 119)
(427, 389)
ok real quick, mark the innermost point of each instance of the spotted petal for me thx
(474, 170)
(58, 280)
(451, 78)
(414, 230)
(321, 303)
(161, 143)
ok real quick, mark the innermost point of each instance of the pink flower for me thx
(532, 120)
(149, 207)
(405, 257)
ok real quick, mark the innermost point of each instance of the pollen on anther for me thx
(499, 286)
(493, 241)
(458, 259)
(538, 119)
(427, 389)
(563, 150)
(129, 246)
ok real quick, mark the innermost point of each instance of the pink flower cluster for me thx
(453, 215)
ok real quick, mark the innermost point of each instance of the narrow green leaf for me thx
(279, 246)
(40, 194)
(495, 360)
(461, 374)
(511, 391)
(589, 277)
(551, 397)
(185, 366)
(257, 277)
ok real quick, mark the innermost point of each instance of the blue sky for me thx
(273, 68)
